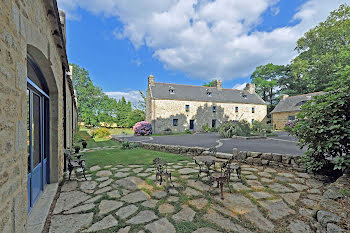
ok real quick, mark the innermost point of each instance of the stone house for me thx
(180, 107)
(288, 108)
(38, 111)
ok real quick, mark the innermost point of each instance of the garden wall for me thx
(255, 158)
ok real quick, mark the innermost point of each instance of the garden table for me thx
(204, 163)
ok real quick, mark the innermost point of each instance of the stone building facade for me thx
(180, 107)
(37, 105)
(288, 108)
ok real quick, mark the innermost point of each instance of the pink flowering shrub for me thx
(290, 124)
(142, 128)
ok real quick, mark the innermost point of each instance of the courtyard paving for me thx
(124, 199)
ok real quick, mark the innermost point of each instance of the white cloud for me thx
(206, 38)
(132, 96)
(239, 86)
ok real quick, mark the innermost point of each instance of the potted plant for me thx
(77, 149)
(84, 143)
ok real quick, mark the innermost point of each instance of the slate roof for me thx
(293, 103)
(200, 93)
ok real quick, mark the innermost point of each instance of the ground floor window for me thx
(213, 123)
(291, 118)
(175, 122)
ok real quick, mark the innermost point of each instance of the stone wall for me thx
(164, 111)
(256, 158)
(26, 27)
(279, 119)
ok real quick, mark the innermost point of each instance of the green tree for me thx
(323, 52)
(135, 116)
(88, 96)
(210, 84)
(324, 127)
(141, 104)
(265, 79)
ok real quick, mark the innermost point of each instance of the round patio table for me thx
(206, 161)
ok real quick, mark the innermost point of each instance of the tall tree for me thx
(323, 51)
(265, 79)
(210, 84)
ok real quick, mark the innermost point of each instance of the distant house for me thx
(288, 108)
(180, 107)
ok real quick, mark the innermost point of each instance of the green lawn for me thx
(92, 142)
(126, 157)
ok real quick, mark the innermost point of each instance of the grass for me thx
(126, 157)
(92, 142)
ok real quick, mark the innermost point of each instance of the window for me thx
(214, 108)
(187, 108)
(175, 122)
(213, 123)
(172, 91)
(209, 94)
(291, 118)
(236, 109)
(253, 121)
(244, 96)
(253, 110)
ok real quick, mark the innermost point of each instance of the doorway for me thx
(37, 141)
(191, 124)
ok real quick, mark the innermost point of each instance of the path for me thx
(126, 199)
(281, 144)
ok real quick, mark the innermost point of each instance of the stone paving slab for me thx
(267, 200)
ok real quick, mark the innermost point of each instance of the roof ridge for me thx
(200, 86)
(305, 94)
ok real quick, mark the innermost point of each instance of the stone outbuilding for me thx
(288, 108)
(180, 107)
(38, 111)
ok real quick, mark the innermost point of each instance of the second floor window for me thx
(187, 108)
(253, 110)
(236, 109)
(214, 108)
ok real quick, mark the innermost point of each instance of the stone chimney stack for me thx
(250, 87)
(62, 15)
(218, 84)
(150, 80)
(283, 97)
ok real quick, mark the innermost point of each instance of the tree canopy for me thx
(95, 107)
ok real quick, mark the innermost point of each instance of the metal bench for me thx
(161, 167)
(74, 163)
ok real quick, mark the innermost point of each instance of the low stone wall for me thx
(256, 158)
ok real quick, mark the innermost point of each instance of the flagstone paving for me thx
(123, 199)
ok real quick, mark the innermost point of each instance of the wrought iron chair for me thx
(221, 178)
(74, 163)
(161, 167)
(236, 166)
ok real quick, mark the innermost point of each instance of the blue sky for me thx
(121, 42)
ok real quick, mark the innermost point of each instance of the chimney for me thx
(283, 97)
(250, 87)
(62, 15)
(151, 80)
(218, 84)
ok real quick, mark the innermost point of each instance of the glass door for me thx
(37, 143)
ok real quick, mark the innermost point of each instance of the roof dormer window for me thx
(244, 96)
(209, 93)
(171, 90)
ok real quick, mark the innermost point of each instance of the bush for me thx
(188, 131)
(290, 124)
(142, 128)
(261, 128)
(324, 127)
(100, 133)
(205, 128)
(234, 128)
(126, 145)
